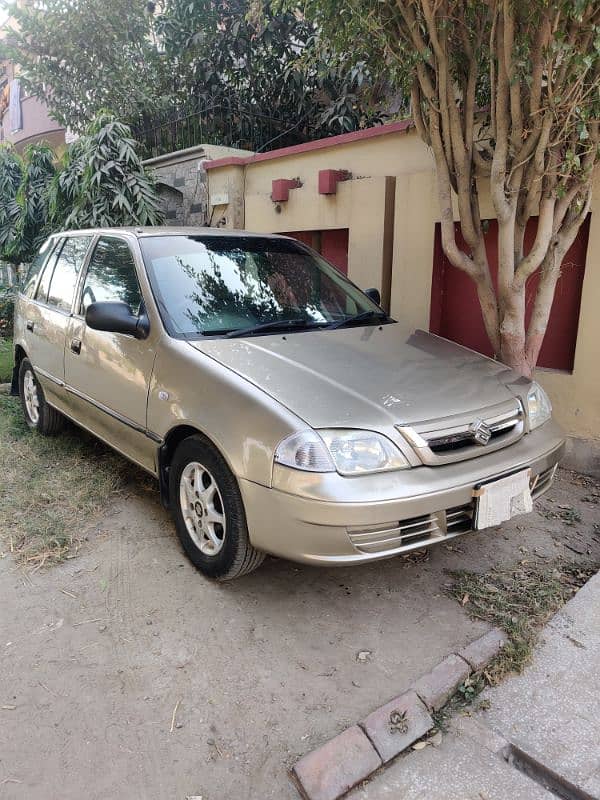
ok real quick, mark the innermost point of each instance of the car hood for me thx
(366, 377)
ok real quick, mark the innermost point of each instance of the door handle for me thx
(30, 325)
(76, 346)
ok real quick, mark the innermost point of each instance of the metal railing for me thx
(225, 125)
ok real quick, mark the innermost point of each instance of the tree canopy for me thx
(507, 95)
(99, 181)
(149, 65)
(102, 181)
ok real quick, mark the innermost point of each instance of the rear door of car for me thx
(26, 310)
(47, 318)
(107, 375)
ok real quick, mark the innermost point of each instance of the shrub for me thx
(7, 308)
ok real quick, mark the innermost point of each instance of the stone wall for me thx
(183, 183)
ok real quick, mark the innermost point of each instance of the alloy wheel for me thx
(202, 508)
(31, 397)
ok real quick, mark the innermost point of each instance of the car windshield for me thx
(218, 285)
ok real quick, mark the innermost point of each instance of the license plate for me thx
(499, 501)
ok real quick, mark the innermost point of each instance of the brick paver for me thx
(396, 725)
(337, 766)
(438, 686)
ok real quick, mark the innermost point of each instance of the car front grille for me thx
(410, 534)
(404, 535)
(464, 436)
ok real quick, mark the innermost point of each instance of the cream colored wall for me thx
(415, 216)
(576, 397)
(226, 197)
(363, 206)
(397, 235)
(394, 154)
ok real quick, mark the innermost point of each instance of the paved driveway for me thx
(126, 675)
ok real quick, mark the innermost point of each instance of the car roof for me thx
(168, 230)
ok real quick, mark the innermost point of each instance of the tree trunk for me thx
(513, 341)
(514, 355)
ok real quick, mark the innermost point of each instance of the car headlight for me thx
(349, 452)
(539, 407)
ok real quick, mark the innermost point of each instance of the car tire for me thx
(39, 416)
(209, 512)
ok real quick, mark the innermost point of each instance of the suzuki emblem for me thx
(480, 432)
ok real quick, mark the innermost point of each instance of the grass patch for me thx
(53, 488)
(520, 600)
(6, 360)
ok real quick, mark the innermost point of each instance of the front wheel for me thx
(209, 512)
(39, 416)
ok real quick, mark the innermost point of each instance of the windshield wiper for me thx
(364, 316)
(275, 325)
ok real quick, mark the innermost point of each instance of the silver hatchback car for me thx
(280, 408)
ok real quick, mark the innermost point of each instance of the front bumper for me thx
(422, 506)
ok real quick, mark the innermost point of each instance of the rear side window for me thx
(66, 271)
(36, 267)
(44, 284)
(111, 276)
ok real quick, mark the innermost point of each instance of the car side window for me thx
(66, 271)
(44, 284)
(36, 267)
(111, 276)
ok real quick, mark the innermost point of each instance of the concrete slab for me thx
(552, 711)
(459, 769)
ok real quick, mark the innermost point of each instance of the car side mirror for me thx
(116, 317)
(374, 295)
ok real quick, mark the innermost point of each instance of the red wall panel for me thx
(332, 244)
(334, 247)
(455, 311)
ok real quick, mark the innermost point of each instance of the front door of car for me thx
(107, 375)
(48, 316)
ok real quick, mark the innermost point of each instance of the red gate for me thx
(332, 244)
(455, 312)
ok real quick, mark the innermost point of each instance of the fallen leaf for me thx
(419, 745)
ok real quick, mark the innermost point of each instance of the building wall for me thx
(37, 125)
(390, 207)
(183, 183)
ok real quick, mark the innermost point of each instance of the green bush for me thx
(7, 310)
(100, 181)
(6, 360)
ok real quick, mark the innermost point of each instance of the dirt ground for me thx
(127, 676)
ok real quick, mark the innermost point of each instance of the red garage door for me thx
(332, 244)
(455, 311)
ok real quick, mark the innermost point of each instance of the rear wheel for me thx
(209, 512)
(39, 416)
